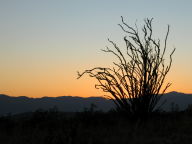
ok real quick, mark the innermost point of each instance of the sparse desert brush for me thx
(95, 128)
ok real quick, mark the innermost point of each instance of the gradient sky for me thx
(43, 43)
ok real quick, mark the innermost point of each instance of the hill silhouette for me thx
(22, 104)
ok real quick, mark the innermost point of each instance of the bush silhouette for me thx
(135, 81)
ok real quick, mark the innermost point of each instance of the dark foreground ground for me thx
(52, 127)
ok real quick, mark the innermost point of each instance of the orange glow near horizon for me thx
(71, 87)
(45, 78)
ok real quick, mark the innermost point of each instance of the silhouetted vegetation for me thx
(135, 81)
(93, 127)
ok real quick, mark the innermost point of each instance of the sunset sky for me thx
(43, 43)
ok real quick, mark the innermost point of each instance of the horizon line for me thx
(78, 96)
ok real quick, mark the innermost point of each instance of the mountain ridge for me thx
(21, 104)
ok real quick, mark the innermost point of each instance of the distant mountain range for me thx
(15, 105)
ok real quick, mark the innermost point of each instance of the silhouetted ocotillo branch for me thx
(135, 81)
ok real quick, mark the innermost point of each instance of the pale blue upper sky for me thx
(46, 41)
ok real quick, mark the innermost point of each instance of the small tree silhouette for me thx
(135, 81)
